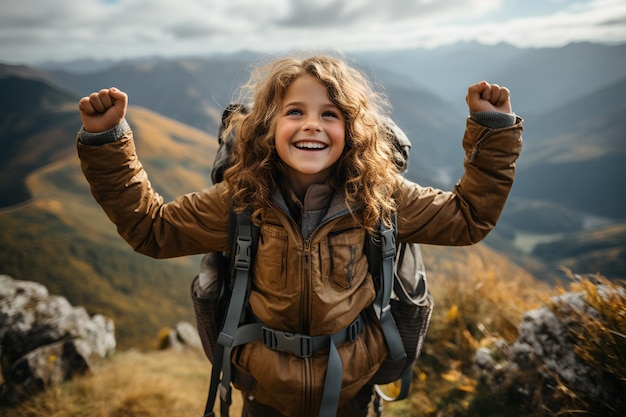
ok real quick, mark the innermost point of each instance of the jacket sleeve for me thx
(191, 224)
(467, 214)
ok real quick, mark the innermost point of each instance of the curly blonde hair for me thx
(365, 170)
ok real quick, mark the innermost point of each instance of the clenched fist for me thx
(103, 110)
(483, 96)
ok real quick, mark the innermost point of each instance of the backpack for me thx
(403, 304)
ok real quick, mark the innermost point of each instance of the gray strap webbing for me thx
(302, 346)
(382, 306)
(223, 348)
(332, 383)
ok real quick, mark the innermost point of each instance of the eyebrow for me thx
(301, 104)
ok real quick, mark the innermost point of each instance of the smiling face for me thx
(310, 133)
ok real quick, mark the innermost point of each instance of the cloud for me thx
(36, 30)
(365, 13)
(594, 21)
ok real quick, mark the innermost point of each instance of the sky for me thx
(35, 31)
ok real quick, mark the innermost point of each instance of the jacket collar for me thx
(320, 201)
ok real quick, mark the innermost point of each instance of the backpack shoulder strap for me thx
(243, 235)
(381, 257)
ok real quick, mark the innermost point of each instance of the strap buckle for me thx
(296, 344)
(242, 257)
(354, 329)
(388, 243)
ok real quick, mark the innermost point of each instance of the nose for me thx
(312, 124)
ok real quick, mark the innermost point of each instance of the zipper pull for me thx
(475, 152)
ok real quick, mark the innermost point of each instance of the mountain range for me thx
(568, 205)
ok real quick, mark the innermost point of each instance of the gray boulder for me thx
(542, 368)
(44, 340)
(184, 336)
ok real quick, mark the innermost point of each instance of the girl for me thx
(312, 165)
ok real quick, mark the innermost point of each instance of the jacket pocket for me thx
(346, 254)
(281, 381)
(270, 261)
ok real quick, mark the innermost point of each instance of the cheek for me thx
(280, 147)
(281, 141)
(284, 131)
(339, 136)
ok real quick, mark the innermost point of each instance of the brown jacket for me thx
(312, 286)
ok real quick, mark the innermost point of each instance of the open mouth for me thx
(310, 146)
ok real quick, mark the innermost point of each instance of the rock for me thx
(184, 336)
(544, 338)
(484, 360)
(44, 340)
(542, 363)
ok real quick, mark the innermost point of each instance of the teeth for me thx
(310, 145)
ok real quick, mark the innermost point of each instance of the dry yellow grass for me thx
(131, 384)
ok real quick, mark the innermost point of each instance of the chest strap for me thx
(300, 345)
(303, 346)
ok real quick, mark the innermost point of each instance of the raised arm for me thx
(492, 143)
(191, 224)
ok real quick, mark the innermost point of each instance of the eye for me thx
(293, 112)
(330, 113)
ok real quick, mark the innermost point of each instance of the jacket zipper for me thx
(475, 152)
(305, 303)
(306, 287)
(476, 147)
(304, 319)
(307, 388)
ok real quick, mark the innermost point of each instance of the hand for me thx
(103, 110)
(483, 96)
